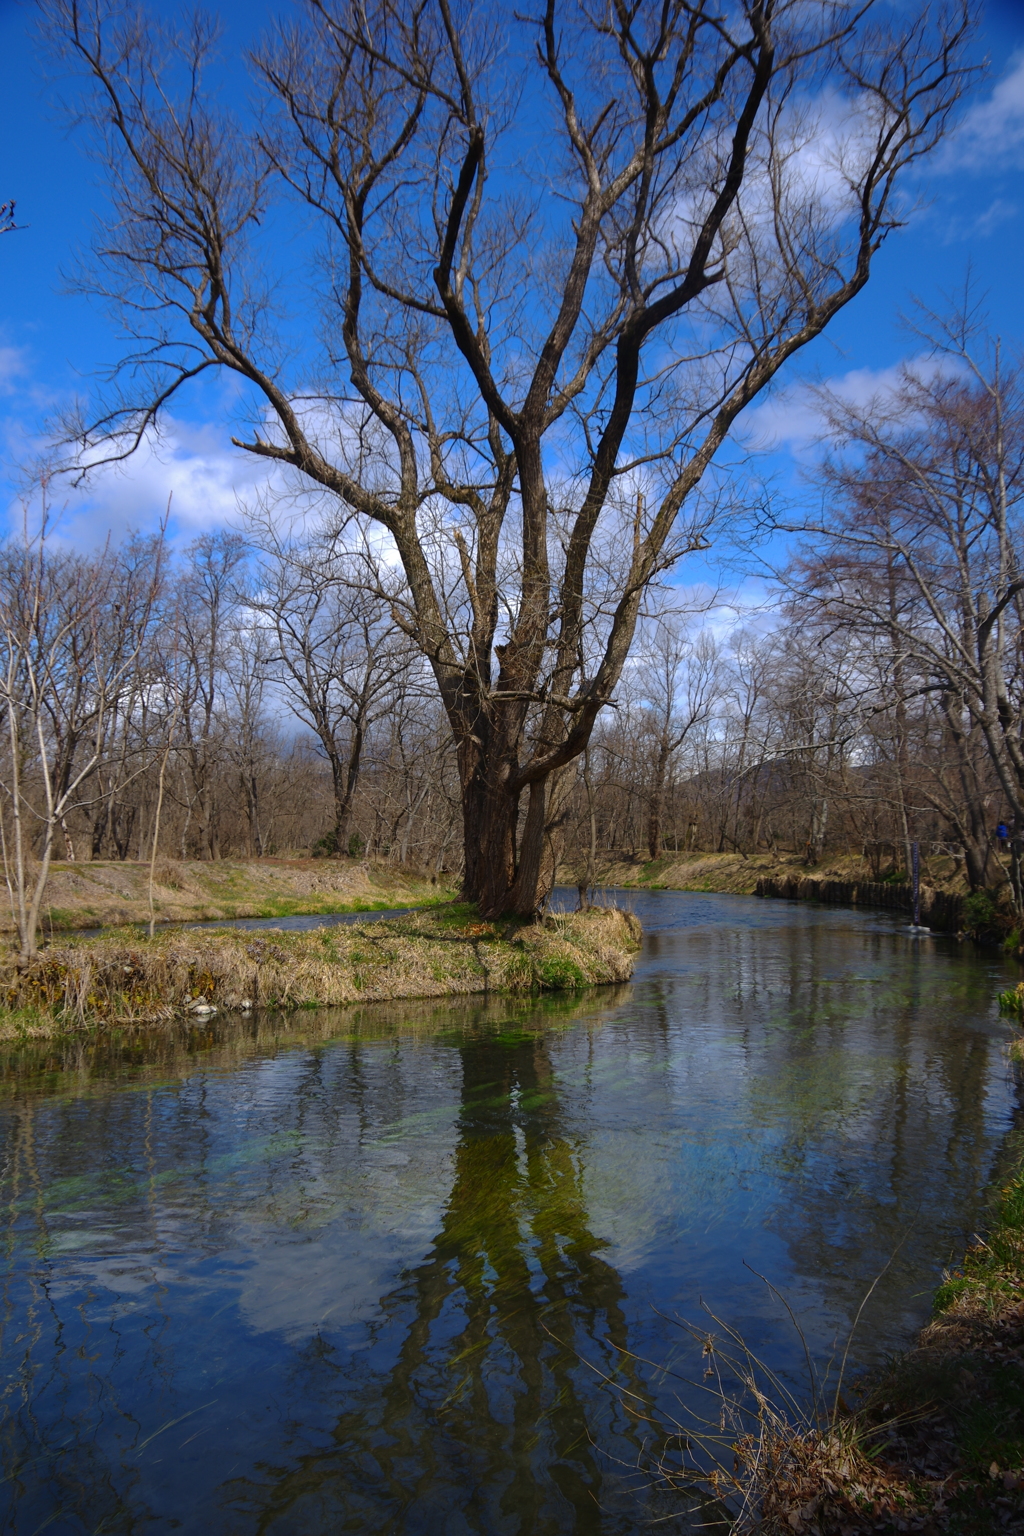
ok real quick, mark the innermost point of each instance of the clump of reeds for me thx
(125, 977)
(825, 1481)
(763, 1459)
(776, 1463)
(934, 1442)
(1012, 1001)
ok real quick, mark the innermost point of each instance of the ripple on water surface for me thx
(371, 1269)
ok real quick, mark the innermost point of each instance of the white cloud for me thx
(998, 212)
(827, 145)
(810, 166)
(793, 417)
(12, 368)
(991, 134)
(192, 468)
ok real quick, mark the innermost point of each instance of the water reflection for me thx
(485, 1408)
(370, 1270)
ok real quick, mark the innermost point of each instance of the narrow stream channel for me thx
(410, 1268)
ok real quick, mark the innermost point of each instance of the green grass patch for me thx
(992, 1272)
(979, 912)
(559, 972)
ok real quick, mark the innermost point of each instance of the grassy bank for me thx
(123, 978)
(738, 874)
(109, 893)
(933, 1443)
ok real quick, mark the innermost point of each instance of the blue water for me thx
(411, 1268)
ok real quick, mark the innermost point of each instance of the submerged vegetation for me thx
(127, 978)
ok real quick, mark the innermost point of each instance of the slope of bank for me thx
(846, 880)
(123, 978)
(739, 874)
(109, 893)
(937, 1444)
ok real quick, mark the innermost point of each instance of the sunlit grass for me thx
(125, 977)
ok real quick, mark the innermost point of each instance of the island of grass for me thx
(123, 977)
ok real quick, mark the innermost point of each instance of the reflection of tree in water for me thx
(52, 1476)
(515, 1221)
(487, 1408)
(872, 1061)
(472, 1410)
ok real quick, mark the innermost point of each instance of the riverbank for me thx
(936, 1442)
(124, 978)
(844, 880)
(111, 893)
(738, 874)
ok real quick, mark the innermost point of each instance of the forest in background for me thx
(259, 692)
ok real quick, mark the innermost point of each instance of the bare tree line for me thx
(881, 700)
(260, 692)
(554, 259)
(227, 700)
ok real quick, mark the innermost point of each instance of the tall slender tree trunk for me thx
(656, 806)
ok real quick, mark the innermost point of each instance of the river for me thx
(410, 1268)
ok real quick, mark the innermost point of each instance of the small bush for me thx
(979, 912)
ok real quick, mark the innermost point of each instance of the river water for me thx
(410, 1268)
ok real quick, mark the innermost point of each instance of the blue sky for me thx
(51, 342)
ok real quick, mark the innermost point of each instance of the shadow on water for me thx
(368, 1269)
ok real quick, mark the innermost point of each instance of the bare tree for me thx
(555, 272)
(206, 614)
(334, 650)
(250, 743)
(679, 682)
(69, 653)
(921, 557)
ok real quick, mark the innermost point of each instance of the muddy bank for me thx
(121, 978)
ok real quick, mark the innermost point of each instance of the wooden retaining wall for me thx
(939, 910)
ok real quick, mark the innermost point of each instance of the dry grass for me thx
(112, 892)
(125, 978)
(769, 1463)
(737, 874)
(934, 1443)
